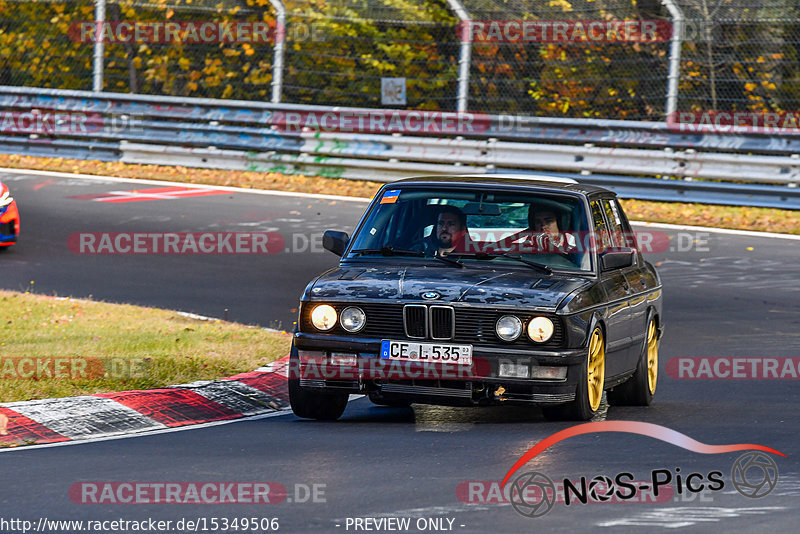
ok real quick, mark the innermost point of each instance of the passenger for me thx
(544, 220)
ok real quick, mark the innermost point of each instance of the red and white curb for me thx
(108, 415)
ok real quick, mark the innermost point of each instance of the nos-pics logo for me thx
(754, 474)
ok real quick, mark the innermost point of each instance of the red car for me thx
(9, 217)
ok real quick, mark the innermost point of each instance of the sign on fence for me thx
(393, 91)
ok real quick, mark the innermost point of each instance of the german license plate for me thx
(426, 352)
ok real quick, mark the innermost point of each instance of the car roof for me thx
(508, 181)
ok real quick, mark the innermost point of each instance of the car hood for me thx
(473, 286)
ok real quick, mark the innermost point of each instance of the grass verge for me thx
(741, 218)
(55, 347)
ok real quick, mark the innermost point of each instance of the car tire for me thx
(376, 398)
(310, 404)
(639, 389)
(591, 381)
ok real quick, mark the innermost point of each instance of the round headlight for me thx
(352, 319)
(508, 328)
(540, 329)
(323, 317)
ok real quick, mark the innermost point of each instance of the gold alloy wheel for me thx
(652, 357)
(596, 369)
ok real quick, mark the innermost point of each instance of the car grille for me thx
(442, 320)
(415, 319)
(7, 228)
(473, 326)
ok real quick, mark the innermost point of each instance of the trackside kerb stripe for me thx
(173, 407)
(24, 430)
(86, 416)
(239, 397)
(273, 384)
(261, 393)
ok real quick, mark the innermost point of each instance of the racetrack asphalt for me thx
(722, 301)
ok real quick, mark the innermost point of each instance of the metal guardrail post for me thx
(99, 19)
(464, 56)
(280, 47)
(673, 77)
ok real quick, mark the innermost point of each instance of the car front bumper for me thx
(9, 224)
(481, 383)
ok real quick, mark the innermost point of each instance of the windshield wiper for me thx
(388, 251)
(488, 256)
(391, 251)
(451, 261)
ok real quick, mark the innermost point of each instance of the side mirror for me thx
(616, 259)
(335, 241)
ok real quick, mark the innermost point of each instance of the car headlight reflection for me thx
(352, 319)
(508, 327)
(323, 317)
(540, 329)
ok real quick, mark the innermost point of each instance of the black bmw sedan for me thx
(481, 290)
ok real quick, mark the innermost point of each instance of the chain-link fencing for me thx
(563, 58)
(741, 55)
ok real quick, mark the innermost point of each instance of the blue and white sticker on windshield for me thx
(390, 197)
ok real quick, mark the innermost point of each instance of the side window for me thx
(604, 240)
(620, 229)
(615, 223)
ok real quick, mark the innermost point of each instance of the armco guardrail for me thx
(633, 158)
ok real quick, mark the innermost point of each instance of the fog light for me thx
(540, 329)
(548, 373)
(344, 358)
(514, 370)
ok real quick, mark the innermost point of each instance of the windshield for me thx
(488, 227)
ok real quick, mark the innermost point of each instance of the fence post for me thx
(673, 77)
(280, 43)
(99, 19)
(465, 53)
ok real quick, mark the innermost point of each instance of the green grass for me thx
(116, 347)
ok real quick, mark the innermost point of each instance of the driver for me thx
(450, 231)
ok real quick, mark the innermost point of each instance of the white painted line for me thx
(686, 516)
(115, 179)
(197, 317)
(748, 233)
(352, 199)
(287, 411)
